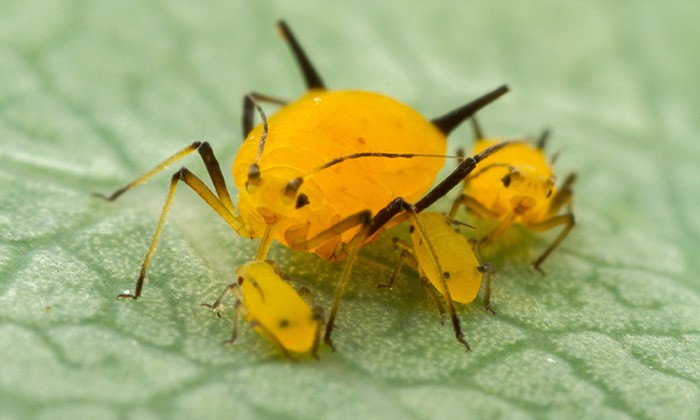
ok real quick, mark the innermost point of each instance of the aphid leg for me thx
(563, 195)
(353, 248)
(363, 219)
(265, 243)
(219, 205)
(249, 109)
(430, 291)
(354, 220)
(144, 178)
(487, 271)
(568, 220)
(406, 256)
(472, 206)
(311, 76)
(505, 223)
(238, 308)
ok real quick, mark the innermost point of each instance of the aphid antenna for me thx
(263, 117)
(385, 155)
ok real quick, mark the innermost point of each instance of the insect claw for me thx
(127, 295)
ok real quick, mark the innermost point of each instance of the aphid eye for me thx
(240, 280)
(446, 275)
(253, 175)
(292, 187)
(302, 200)
(411, 229)
(283, 323)
(549, 193)
(506, 180)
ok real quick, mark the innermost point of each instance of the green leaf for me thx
(93, 94)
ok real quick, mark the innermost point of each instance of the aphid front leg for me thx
(221, 202)
(238, 309)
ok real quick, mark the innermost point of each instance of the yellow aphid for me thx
(517, 186)
(325, 173)
(317, 128)
(445, 259)
(275, 309)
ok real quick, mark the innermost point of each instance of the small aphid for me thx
(275, 309)
(447, 262)
(517, 186)
(325, 172)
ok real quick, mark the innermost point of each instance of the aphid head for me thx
(527, 188)
(275, 194)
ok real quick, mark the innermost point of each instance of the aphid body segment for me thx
(517, 186)
(319, 127)
(277, 310)
(461, 273)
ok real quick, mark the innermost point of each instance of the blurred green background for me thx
(94, 93)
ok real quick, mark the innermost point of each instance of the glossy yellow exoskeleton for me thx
(446, 260)
(323, 173)
(518, 186)
(275, 308)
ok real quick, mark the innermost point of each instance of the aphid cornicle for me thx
(518, 187)
(447, 262)
(274, 308)
(326, 173)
